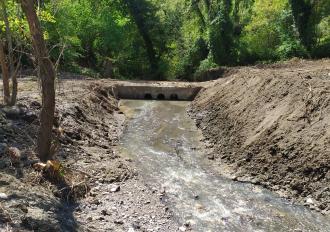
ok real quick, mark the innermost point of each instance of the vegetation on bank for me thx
(169, 39)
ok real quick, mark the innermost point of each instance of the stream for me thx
(166, 145)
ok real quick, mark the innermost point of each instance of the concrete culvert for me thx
(148, 96)
(161, 96)
(174, 96)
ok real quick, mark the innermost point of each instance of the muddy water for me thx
(165, 143)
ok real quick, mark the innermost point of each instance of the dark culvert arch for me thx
(160, 96)
(148, 96)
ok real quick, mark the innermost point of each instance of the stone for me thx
(211, 157)
(309, 201)
(115, 188)
(93, 194)
(187, 224)
(136, 225)
(119, 222)
(105, 212)
(13, 112)
(3, 196)
(183, 228)
(95, 201)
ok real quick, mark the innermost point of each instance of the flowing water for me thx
(165, 143)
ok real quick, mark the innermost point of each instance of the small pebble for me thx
(115, 188)
(3, 196)
(182, 228)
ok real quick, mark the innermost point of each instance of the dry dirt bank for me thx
(110, 194)
(271, 125)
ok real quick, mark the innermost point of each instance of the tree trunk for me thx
(47, 76)
(143, 30)
(14, 84)
(12, 70)
(8, 36)
(5, 74)
(302, 13)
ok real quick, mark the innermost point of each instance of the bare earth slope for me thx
(109, 195)
(271, 125)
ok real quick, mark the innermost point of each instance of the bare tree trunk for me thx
(8, 36)
(47, 76)
(14, 83)
(12, 70)
(5, 74)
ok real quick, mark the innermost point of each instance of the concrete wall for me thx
(156, 92)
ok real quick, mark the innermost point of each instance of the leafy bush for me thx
(205, 65)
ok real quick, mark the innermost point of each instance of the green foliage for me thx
(221, 32)
(193, 58)
(323, 34)
(173, 38)
(205, 65)
(272, 34)
(19, 27)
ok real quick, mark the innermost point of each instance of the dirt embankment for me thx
(271, 125)
(109, 195)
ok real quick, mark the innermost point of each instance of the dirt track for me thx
(270, 125)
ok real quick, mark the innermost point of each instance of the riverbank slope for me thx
(104, 191)
(270, 125)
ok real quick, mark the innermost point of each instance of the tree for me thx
(221, 32)
(139, 11)
(5, 74)
(168, 38)
(8, 34)
(302, 12)
(47, 74)
(8, 70)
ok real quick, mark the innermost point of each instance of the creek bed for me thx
(167, 148)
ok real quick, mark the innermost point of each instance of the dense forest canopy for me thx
(168, 39)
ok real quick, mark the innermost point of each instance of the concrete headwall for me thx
(156, 92)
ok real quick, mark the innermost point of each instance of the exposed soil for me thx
(103, 191)
(270, 125)
(267, 125)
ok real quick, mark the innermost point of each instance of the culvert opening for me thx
(174, 96)
(160, 96)
(148, 96)
(150, 92)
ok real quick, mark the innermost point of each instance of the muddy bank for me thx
(270, 125)
(108, 194)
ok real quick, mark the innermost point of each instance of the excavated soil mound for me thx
(270, 125)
